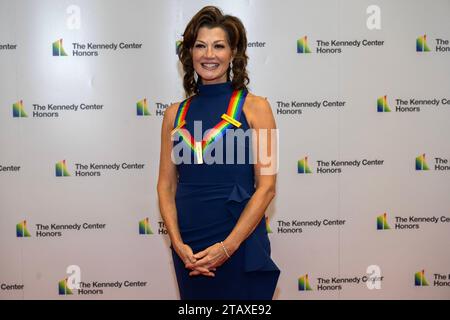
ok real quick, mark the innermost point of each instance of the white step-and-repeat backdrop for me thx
(361, 94)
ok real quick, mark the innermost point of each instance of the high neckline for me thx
(214, 89)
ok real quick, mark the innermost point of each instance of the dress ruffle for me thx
(257, 246)
(234, 197)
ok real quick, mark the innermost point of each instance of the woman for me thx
(214, 210)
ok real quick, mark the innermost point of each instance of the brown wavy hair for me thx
(212, 17)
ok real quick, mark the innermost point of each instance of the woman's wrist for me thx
(177, 244)
(225, 250)
(230, 246)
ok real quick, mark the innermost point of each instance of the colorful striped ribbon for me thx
(228, 119)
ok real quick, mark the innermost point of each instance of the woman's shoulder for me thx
(171, 112)
(254, 101)
(256, 107)
(173, 108)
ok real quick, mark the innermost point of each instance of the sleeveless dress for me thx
(209, 200)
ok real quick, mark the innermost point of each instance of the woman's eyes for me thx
(219, 46)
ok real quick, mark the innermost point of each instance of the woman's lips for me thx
(210, 66)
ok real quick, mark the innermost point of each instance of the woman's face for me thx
(211, 55)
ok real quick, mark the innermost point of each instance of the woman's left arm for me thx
(265, 151)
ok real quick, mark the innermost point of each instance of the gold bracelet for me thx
(224, 249)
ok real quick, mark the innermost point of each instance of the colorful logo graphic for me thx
(421, 164)
(419, 279)
(142, 108)
(382, 222)
(267, 225)
(21, 230)
(302, 45)
(144, 227)
(63, 288)
(61, 169)
(421, 44)
(178, 46)
(303, 283)
(18, 110)
(302, 166)
(58, 50)
(382, 105)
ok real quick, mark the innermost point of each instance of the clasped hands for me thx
(204, 262)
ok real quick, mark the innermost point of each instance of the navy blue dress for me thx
(209, 200)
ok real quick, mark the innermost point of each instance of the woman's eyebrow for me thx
(205, 42)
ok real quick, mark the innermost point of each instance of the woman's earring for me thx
(231, 70)
(195, 77)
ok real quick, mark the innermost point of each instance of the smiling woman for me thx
(214, 211)
(211, 55)
(214, 45)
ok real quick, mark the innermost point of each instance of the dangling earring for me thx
(231, 70)
(195, 77)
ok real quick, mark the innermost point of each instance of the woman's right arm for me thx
(167, 187)
(167, 180)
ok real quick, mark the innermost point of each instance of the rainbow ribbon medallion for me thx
(228, 119)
